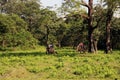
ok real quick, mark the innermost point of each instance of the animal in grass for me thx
(81, 47)
(50, 49)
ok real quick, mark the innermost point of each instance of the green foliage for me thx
(21, 7)
(3, 70)
(62, 31)
(14, 33)
(45, 29)
(76, 30)
(67, 64)
(33, 69)
(115, 33)
(73, 6)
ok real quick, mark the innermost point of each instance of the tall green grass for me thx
(67, 64)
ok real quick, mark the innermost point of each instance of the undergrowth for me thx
(67, 64)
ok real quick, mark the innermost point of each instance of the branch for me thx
(98, 22)
(84, 4)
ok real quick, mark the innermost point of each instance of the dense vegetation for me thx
(14, 33)
(26, 25)
(67, 64)
(26, 28)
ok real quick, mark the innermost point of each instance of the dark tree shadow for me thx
(20, 54)
(60, 53)
(6, 54)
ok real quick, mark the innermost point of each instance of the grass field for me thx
(66, 65)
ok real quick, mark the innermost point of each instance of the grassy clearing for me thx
(67, 64)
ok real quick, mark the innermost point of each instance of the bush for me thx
(13, 33)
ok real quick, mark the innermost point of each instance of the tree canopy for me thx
(28, 24)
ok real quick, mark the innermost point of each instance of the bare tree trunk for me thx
(108, 42)
(92, 46)
(108, 25)
(3, 43)
(59, 44)
(95, 45)
(90, 27)
(90, 39)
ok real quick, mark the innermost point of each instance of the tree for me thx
(75, 30)
(14, 34)
(111, 7)
(45, 30)
(26, 9)
(115, 33)
(61, 31)
(75, 4)
(2, 5)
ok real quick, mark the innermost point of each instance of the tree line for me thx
(27, 24)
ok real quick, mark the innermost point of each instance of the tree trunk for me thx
(90, 27)
(59, 44)
(108, 25)
(95, 45)
(3, 43)
(90, 39)
(108, 42)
